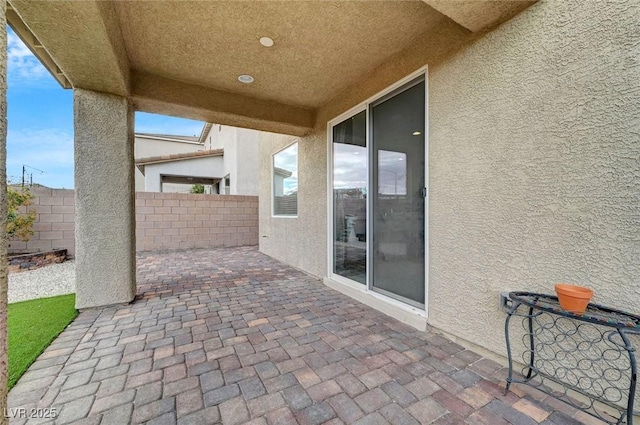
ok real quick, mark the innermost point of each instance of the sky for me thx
(287, 159)
(40, 121)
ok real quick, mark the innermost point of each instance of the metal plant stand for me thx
(585, 360)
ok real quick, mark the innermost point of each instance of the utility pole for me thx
(24, 170)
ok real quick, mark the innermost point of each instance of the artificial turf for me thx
(33, 325)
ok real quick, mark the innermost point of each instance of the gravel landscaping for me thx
(49, 281)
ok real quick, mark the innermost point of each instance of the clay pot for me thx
(573, 298)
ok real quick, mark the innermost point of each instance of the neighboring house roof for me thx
(205, 132)
(282, 172)
(170, 137)
(141, 162)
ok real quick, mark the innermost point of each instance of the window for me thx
(285, 182)
(227, 185)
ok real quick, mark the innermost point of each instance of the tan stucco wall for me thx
(302, 242)
(240, 156)
(105, 211)
(533, 159)
(299, 241)
(535, 164)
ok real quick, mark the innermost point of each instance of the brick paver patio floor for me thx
(232, 336)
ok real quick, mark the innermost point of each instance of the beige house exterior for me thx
(530, 137)
(150, 145)
(168, 163)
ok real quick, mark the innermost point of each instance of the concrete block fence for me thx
(164, 221)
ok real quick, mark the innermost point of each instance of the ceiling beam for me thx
(155, 94)
(479, 15)
(36, 47)
(69, 31)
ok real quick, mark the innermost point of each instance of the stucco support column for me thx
(3, 214)
(105, 199)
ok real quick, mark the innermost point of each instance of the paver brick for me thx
(177, 387)
(219, 395)
(75, 410)
(307, 377)
(76, 393)
(452, 403)
(297, 398)
(372, 400)
(346, 409)
(531, 409)
(399, 394)
(261, 405)
(396, 415)
(148, 393)
(117, 415)
(475, 397)
(281, 416)
(375, 378)
(111, 401)
(351, 384)
(252, 388)
(315, 414)
(209, 415)
(324, 390)
(426, 410)
(234, 411)
(245, 339)
(188, 402)
(153, 410)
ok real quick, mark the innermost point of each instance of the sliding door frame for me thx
(366, 106)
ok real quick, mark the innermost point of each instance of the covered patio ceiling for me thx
(183, 58)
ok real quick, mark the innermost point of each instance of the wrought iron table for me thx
(589, 356)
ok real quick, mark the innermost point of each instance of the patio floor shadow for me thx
(232, 336)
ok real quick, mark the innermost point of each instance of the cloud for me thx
(49, 150)
(22, 65)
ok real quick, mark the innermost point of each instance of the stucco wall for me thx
(535, 164)
(240, 156)
(145, 147)
(299, 241)
(206, 166)
(247, 151)
(533, 158)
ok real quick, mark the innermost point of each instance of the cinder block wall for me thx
(55, 222)
(164, 221)
(184, 220)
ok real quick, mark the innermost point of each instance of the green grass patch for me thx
(33, 325)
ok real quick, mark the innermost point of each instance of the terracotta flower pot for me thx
(573, 298)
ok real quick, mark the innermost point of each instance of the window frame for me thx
(341, 281)
(273, 197)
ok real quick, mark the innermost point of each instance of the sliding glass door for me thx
(398, 176)
(378, 195)
(350, 198)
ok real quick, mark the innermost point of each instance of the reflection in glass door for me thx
(350, 198)
(398, 195)
(378, 195)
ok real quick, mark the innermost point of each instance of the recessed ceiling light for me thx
(416, 133)
(245, 78)
(266, 41)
